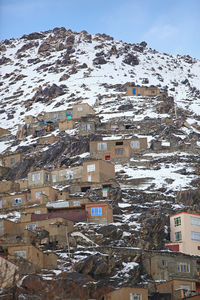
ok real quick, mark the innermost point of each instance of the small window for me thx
(31, 227)
(119, 151)
(102, 146)
(38, 194)
(20, 253)
(37, 212)
(134, 296)
(12, 160)
(17, 201)
(86, 127)
(195, 221)
(107, 157)
(178, 236)
(183, 267)
(91, 168)
(55, 116)
(153, 91)
(36, 177)
(89, 178)
(96, 211)
(164, 263)
(195, 236)
(47, 177)
(135, 144)
(119, 143)
(53, 177)
(177, 221)
(29, 198)
(79, 108)
(76, 203)
(70, 174)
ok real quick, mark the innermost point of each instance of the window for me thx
(37, 212)
(178, 236)
(31, 227)
(164, 263)
(195, 236)
(17, 201)
(184, 287)
(134, 296)
(36, 177)
(76, 203)
(89, 178)
(96, 211)
(70, 174)
(86, 127)
(183, 267)
(12, 160)
(54, 177)
(20, 253)
(47, 177)
(119, 143)
(177, 221)
(195, 221)
(91, 168)
(37, 194)
(107, 157)
(102, 146)
(105, 191)
(29, 198)
(56, 116)
(119, 151)
(135, 144)
(79, 108)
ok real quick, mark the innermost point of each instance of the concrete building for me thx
(185, 233)
(66, 174)
(82, 110)
(148, 91)
(43, 194)
(117, 149)
(39, 178)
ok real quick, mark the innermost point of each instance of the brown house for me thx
(9, 273)
(34, 255)
(128, 293)
(51, 139)
(88, 124)
(117, 149)
(178, 289)
(39, 178)
(9, 186)
(64, 175)
(4, 131)
(55, 116)
(99, 212)
(10, 160)
(15, 199)
(98, 171)
(66, 125)
(43, 194)
(82, 110)
(8, 227)
(149, 91)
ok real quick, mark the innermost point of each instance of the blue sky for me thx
(171, 26)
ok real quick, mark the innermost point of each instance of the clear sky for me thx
(171, 26)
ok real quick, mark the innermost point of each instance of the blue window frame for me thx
(96, 211)
(134, 91)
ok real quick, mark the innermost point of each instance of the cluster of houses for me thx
(50, 202)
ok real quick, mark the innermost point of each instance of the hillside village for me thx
(98, 200)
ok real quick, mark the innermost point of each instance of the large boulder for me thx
(131, 60)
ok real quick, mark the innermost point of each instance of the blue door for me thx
(134, 91)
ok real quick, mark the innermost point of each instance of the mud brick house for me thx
(8, 227)
(172, 266)
(75, 214)
(23, 183)
(98, 171)
(34, 255)
(82, 110)
(9, 186)
(50, 139)
(185, 233)
(70, 203)
(117, 149)
(179, 289)
(43, 194)
(128, 293)
(10, 160)
(148, 91)
(55, 116)
(14, 199)
(99, 212)
(64, 175)
(37, 208)
(4, 131)
(9, 273)
(39, 178)
(29, 119)
(88, 124)
(66, 125)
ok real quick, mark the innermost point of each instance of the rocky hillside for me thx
(56, 69)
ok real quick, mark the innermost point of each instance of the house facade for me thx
(10, 160)
(43, 194)
(98, 171)
(117, 149)
(39, 178)
(148, 91)
(9, 273)
(185, 233)
(66, 174)
(99, 212)
(14, 199)
(82, 110)
(128, 293)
